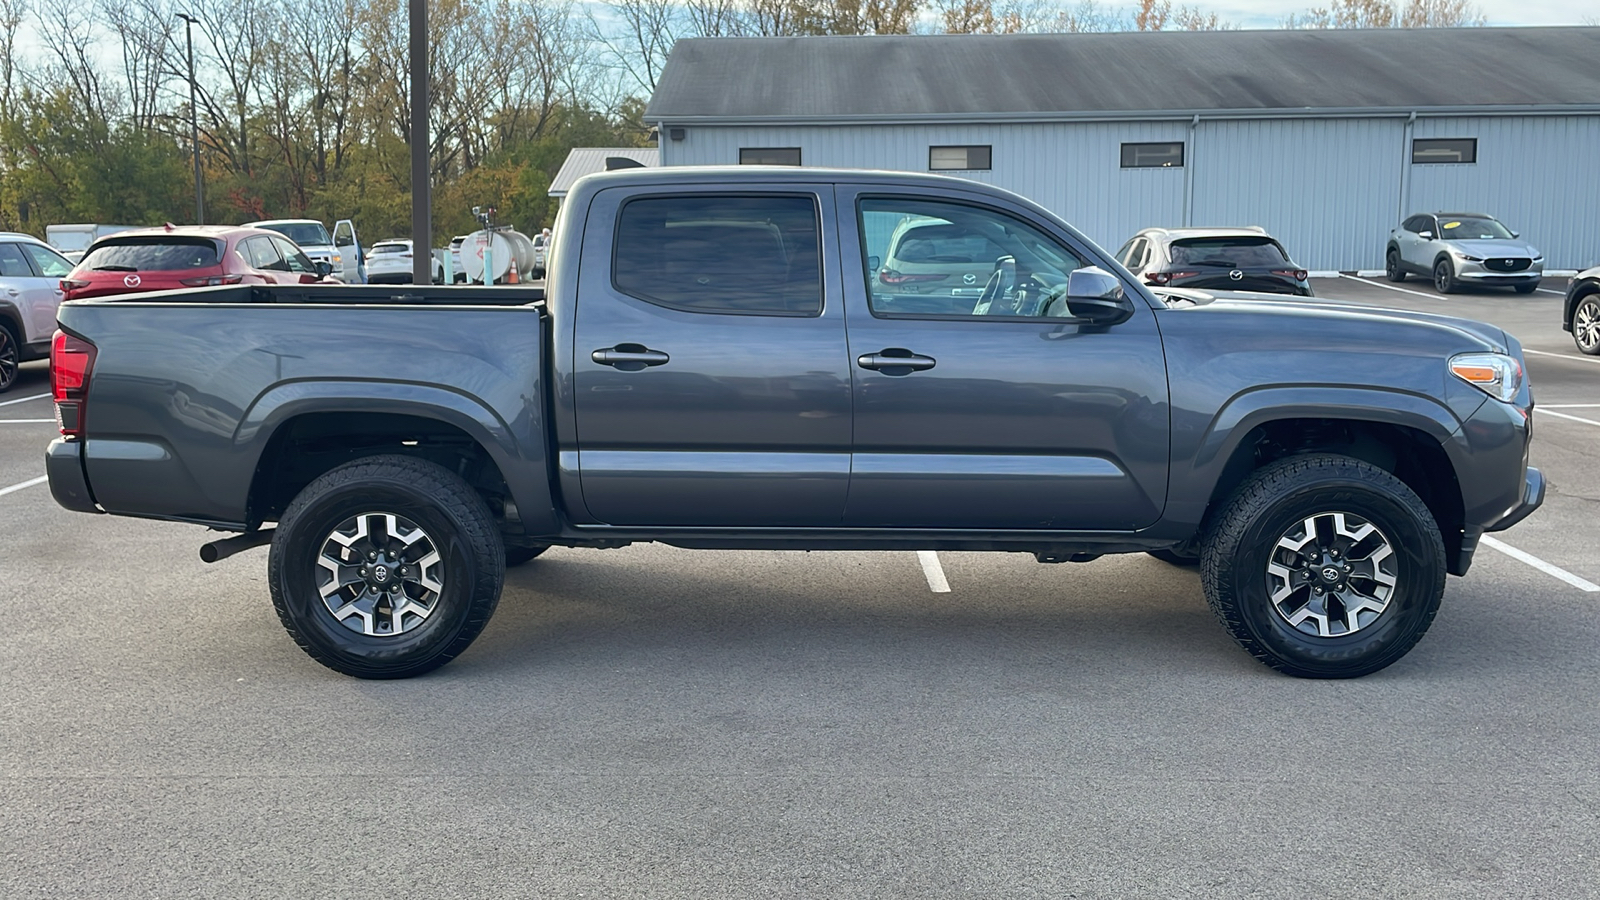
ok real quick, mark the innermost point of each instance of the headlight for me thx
(1496, 374)
(1460, 255)
(337, 258)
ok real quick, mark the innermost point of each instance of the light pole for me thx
(421, 189)
(194, 123)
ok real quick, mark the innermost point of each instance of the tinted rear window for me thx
(154, 254)
(1232, 252)
(741, 255)
(389, 248)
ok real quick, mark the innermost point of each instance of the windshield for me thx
(1472, 228)
(71, 240)
(306, 234)
(158, 254)
(1228, 252)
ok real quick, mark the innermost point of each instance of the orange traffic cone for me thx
(513, 278)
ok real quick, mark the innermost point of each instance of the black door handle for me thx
(630, 357)
(895, 361)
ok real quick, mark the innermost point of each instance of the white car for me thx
(390, 261)
(342, 249)
(457, 273)
(30, 291)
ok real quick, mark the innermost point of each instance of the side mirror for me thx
(1425, 235)
(1516, 234)
(324, 269)
(1095, 295)
(873, 262)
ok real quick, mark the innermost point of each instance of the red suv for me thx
(174, 257)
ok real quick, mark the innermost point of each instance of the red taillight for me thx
(890, 276)
(212, 280)
(68, 285)
(1296, 274)
(71, 362)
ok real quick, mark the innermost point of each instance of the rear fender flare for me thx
(522, 462)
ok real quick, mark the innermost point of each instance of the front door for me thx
(710, 380)
(1003, 411)
(346, 246)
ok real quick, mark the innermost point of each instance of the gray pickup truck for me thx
(721, 359)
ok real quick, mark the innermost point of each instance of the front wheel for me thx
(1444, 277)
(1586, 325)
(1324, 567)
(10, 357)
(386, 567)
(1392, 268)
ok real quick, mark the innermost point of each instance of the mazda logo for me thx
(131, 280)
(1236, 275)
(970, 278)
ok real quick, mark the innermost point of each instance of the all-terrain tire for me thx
(1280, 500)
(456, 526)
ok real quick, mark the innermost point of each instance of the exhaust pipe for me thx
(229, 546)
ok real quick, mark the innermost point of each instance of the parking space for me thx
(661, 722)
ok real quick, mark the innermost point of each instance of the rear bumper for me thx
(63, 463)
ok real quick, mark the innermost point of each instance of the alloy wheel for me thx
(380, 574)
(9, 359)
(1586, 325)
(1332, 575)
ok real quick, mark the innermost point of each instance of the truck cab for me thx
(341, 249)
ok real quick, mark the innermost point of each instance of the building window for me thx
(949, 158)
(769, 156)
(1153, 156)
(1444, 150)
(751, 255)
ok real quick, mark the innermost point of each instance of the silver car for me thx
(1456, 249)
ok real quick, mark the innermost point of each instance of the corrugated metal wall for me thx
(1539, 175)
(1329, 188)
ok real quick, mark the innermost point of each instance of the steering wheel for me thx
(999, 290)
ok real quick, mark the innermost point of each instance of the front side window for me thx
(739, 255)
(1444, 150)
(1168, 155)
(938, 258)
(944, 159)
(47, 262)
(769, 156)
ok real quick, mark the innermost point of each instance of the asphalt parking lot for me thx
(654, 722)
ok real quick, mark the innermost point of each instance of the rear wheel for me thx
(1444, 277)
(1586, 325)
(1391, 267)
(1324, 567)
(386, 567)
(10, 357)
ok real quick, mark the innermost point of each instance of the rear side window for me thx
(716, 254)
(1230, 252)
(12, 265)
(153, 254)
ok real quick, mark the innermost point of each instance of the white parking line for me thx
(1548, 291)
(1565, 416)
(26, 484)
(24, 399)
(26, 421)
(1566, 356)
(1390, 287)
(1569, 406)
(1541, 565)
(933, 571)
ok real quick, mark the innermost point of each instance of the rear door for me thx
(710, 380)
(1011, 415)
(42, 292)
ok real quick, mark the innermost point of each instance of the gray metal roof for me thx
(1000, 77)
(583, 161)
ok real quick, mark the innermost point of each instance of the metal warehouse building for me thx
(1326, 138)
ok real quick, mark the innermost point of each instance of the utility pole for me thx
(194, 123)
(421, 190)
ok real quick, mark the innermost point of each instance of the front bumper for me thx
(1532, 496)
(63, 463)
(1481, 273)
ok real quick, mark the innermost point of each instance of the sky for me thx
(1271, 13)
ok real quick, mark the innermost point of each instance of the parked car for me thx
(1581, 312)
(1454, 249)
(73, 239)
(540, 241)
(1231, 259)
(458, 274)
(1328, 465)
(30, 291)
(935, 265)
(390, 262)
(341, 250)
(189, 256)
